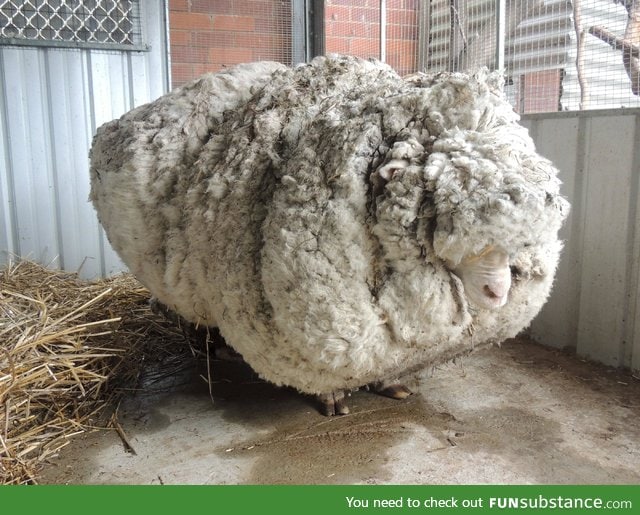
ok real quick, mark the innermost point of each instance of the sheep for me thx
(340, 225)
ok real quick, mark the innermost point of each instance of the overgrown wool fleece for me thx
(314, 214)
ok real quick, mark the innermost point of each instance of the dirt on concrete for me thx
(521, 414)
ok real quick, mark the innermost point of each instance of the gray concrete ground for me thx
(521, 413)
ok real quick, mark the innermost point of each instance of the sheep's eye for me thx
(515, 272)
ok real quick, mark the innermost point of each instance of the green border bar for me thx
(325, 500)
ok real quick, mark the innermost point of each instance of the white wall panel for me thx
(70, 106)
(594, 307)
(29, 154)
(559, 316)
(51, 102)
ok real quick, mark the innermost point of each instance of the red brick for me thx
(402, 32)
(259, 40)
(401, 47)
(230, 56)
(189, 54)
(403, 56)
(212, 6)
(189, 21)
(257, 8)
(541, 91)
(180, 72)
(282, 55)
(365, 15)
(233, 23)
(179, 5)
(408, 5)
(272, 24)
(348, 29)
(364, 47)
(362, 3)
(215, 39)
(180, 37)
(200, 69)
(402, 17)
(337, 45)
(337, 13)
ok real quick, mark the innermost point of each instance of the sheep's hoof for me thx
(395, 391)
(333, 403)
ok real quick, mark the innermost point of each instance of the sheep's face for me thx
(486, 278)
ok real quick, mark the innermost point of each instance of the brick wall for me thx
(539, 92)
(353, 27)
(402, 35)
(208, 35)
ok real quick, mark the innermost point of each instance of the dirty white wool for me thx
(315, 214)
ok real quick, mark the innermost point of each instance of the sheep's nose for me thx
(496, 293)
(490, 293)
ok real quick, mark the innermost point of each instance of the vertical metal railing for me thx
(383, 30)
(501, 10)
(307, 30)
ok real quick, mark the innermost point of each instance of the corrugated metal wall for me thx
(51, 102)
(595, 304)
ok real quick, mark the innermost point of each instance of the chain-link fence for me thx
(556, 54)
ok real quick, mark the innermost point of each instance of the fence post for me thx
(383, 30)
(501, 19)
(307, 30)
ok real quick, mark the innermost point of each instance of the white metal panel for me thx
(632, 317)
(69, 101)
(595, 303)
(51, 102)
(8, 236)
(29, 154)
(557, 140)
(108, 80)
(610, 147)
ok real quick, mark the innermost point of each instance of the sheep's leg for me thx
(333, 403)
(392, 389)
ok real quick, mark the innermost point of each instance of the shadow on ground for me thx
(517, 414)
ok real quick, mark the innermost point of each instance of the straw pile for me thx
(68, 349)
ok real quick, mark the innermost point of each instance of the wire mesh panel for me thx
(353, 28)
(556, 54)
(460, 34)
(402, 35)
(59, 22)
(209, 35)
(385, 30)
(605, 36)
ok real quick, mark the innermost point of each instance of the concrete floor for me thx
(517, 414)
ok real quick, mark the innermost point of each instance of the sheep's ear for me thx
(387, 172)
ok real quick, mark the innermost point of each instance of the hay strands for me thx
(68, 349)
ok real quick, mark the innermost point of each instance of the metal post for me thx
(307, 30)
(501, 22)
(317, 28)
(298, 31)
(383, 30)
(423, 35)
